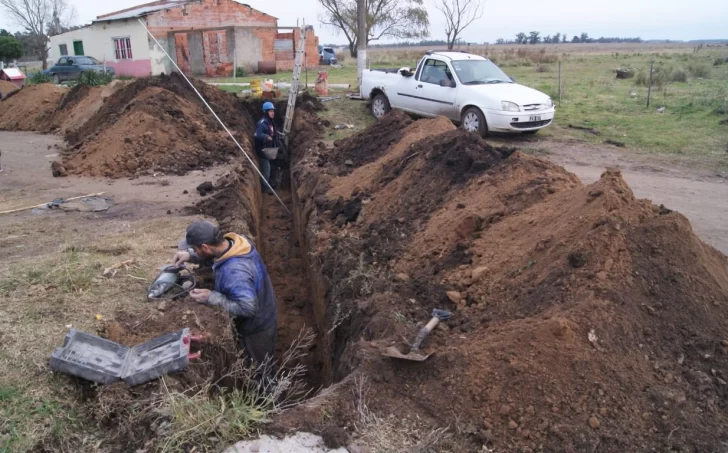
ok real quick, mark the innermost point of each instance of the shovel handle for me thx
(424, 332)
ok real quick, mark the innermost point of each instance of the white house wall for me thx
(98, 42)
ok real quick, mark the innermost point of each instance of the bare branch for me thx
(459, 15)
(385, 18)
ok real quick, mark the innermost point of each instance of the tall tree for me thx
(584, 37)
(401, 19)
(564, 38)
(36, 16)
(575, 39)
(521, 38)
(10, 48)
(459, 14)
(557, 38)
(534, 37)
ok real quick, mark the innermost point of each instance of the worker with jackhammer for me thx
(266, 137)
(242, 287)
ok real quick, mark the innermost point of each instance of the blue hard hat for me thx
(268, 106)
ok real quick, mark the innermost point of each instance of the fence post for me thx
(235, 66)
(649, 87)
(559, 83)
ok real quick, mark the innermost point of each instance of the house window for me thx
(64, 49)
(122, 46)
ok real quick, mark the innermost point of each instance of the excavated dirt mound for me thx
(370, 144)
(79, 105)
(31, 108)
(6, 88)
(157, 124)
(584, 319)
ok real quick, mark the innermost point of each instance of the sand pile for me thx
(585, 319)
(156, 125)
(31, 108)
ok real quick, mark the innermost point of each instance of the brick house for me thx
(205, 37)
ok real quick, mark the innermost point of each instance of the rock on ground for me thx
(299, 443)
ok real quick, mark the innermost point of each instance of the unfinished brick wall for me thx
(207, 14)
(209, 19)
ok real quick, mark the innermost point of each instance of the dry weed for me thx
(384, 435)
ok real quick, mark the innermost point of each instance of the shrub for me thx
(93, 78)
(679, 75)
(241, 72)
(720, 61)
(38, 78)
(699, 70)
(543, 68)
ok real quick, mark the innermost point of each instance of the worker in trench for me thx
(242, 288)
(266, 139)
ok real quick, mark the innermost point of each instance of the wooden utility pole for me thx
(559, 83)
(649, 87)
(361, 39)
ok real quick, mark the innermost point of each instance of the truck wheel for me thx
(380, 106)
(473, 120)
(56, 79)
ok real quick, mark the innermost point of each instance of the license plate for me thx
(534, 118)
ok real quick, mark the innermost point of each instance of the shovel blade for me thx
(415, 356)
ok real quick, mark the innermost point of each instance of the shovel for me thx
(415, 354)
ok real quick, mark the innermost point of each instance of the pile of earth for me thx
(584, 319)
(79, 105)
(30, 109)
(364, 148)
(6, 88)
(157, 124)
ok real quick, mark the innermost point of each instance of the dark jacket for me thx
(243, 287)
(266, 127)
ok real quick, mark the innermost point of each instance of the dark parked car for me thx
(69, 68)
(327, 56)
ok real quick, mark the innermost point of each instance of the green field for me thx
(691, 86)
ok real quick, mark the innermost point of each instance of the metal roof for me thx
(141, 11)
(455, 55)
(13, 73)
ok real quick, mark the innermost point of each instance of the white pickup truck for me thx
(468, 89)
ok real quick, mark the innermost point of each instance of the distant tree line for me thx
(535, 37)
(423, 43)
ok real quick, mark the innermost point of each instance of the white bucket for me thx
(270, 153)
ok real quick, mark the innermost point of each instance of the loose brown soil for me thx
(584, 319)
(156, 125)
(31, 108)
(6, 87)
(363, 148)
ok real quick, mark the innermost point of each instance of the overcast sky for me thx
(648, 19)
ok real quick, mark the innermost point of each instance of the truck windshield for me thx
(479, 72)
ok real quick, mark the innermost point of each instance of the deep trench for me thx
(284, 253)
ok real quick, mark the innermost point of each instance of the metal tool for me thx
(415, 354)
(171, 278)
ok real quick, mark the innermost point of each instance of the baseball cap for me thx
(201, 232)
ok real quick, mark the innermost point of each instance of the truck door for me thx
(430, 96)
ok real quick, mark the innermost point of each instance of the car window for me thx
(478, 72)
(62, 62)
(70, 62)
(435, 71)
(92, 60)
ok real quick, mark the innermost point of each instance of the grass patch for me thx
(346, 111)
